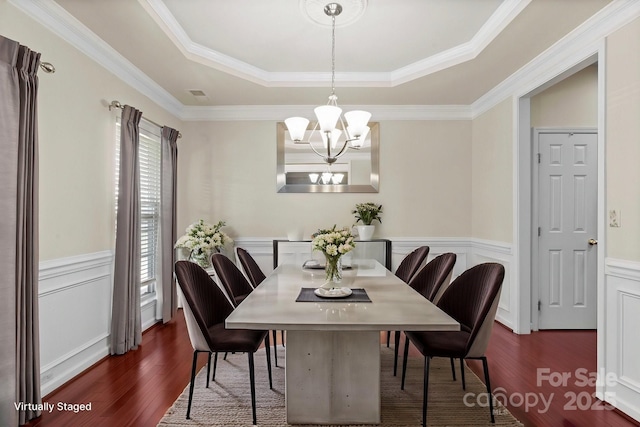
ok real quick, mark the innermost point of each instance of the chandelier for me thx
(329, 116)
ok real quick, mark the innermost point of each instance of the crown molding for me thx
(580, 46)
(503, 15)
(280, 112)
(57, 20)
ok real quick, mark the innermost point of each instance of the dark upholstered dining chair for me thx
(205, 310)
(408, 267)
(231, 278)
(472, 300)
(428, 282)
(253, 271)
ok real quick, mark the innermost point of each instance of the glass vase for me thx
(203, 259)
(333, 269)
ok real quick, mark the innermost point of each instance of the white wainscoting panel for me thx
(622, 346)
(490, 251)
(75, 313)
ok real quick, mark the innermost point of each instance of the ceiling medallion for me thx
(314, 10)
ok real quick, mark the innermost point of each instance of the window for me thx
(149, 163)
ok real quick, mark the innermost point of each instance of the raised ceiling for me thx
(258, 52)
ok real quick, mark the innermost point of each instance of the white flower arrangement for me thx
(202, 239)
(333, 242)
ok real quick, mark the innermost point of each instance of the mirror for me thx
(300, 170)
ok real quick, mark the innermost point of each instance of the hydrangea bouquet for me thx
(202, 239)
(333, 243)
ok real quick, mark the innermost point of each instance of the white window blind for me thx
(149, 153)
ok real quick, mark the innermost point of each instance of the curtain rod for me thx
(117, 104)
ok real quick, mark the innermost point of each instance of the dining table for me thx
(332, 361)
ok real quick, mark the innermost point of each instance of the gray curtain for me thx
(168, 231)
(19, 328)
(126, 324)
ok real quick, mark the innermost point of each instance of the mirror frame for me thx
(372, 187)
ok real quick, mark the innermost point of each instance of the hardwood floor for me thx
(137, 388)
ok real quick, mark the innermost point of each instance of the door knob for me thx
(593, 242)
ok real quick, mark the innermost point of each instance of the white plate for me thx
(333, 292)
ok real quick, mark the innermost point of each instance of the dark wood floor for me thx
(137, 388)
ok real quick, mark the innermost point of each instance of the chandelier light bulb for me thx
(297, 127)
(357, 121)
(358, 142)
(337, 178)
(328, 116)
(335, 135)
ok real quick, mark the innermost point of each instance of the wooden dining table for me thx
(332, 362)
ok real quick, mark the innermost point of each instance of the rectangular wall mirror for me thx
(300, 170)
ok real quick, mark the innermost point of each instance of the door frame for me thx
(535, 220)
(522, 187)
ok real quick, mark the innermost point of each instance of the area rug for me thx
(227, 401)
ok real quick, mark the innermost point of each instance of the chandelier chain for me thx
(333, 55)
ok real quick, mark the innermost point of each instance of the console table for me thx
(296, 252)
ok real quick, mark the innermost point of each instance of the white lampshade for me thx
(326, 177)
(335, 134)
(359, 141)
(357, 120)
(313, 177)
(337, 178)
(297, 127)
(328, 116)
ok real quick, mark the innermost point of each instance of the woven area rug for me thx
(227, 401)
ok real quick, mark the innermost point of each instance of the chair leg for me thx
(395, 353)
(208, 369)
(404, 361)
(425, 396)
(453, 369)
(267, 346)
(388, 338)
(252, 382)
(225, 356)
(191, 384)
(485, 367)
(282, 336)
(275, 347)
(464, 385)
(215, 365)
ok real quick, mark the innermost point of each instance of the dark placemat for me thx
(358, 295)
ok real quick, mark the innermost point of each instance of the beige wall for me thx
(573, 102)
(227, 172)
(76, 140)
(492, 174)
(623, 140)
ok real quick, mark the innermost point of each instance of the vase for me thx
(203, 259)
(333, 269)
(365, 232)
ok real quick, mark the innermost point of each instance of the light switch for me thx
(614, 218)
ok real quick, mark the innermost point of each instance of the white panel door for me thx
(567, 214)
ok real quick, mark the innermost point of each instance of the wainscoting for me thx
(621, 386)
(75, 315)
